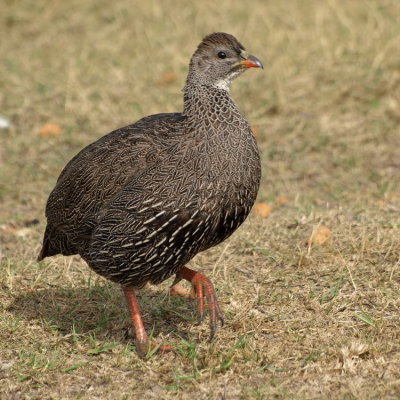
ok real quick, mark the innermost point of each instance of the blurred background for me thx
(326, 114)
(325, 110)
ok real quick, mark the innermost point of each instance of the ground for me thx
(310, 292)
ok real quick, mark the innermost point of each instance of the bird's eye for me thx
(221, 54)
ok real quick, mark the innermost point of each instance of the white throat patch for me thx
(223, 84)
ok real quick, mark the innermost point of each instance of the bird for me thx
(140, 202)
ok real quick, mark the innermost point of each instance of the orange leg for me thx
(142, 342)
(202, 287)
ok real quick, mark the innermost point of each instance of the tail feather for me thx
(43, 251)
(46, 251)
(55, 243)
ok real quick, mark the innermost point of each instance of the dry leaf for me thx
(254, 130)
(262, 210)
(50, 129)
(320, 235)
(20, 232)
(167, 78)
(7, 228)
(179, 291)
(23, 232)
(281, 200)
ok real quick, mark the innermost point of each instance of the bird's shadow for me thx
(101, 312)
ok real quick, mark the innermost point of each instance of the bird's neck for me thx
(211, 103)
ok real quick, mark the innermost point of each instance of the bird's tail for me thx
(44, 252)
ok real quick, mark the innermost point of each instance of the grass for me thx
(302, 322)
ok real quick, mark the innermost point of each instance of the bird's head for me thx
(218, 60)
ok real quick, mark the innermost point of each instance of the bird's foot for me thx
(202, 288)
(144, 346)
(147, 348)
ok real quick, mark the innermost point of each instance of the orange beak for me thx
(249, 61)
(252, 62)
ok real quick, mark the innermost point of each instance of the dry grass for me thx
(303, 322)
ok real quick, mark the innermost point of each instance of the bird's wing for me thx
(94, 176)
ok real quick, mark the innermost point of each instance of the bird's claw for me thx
(202, 287)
